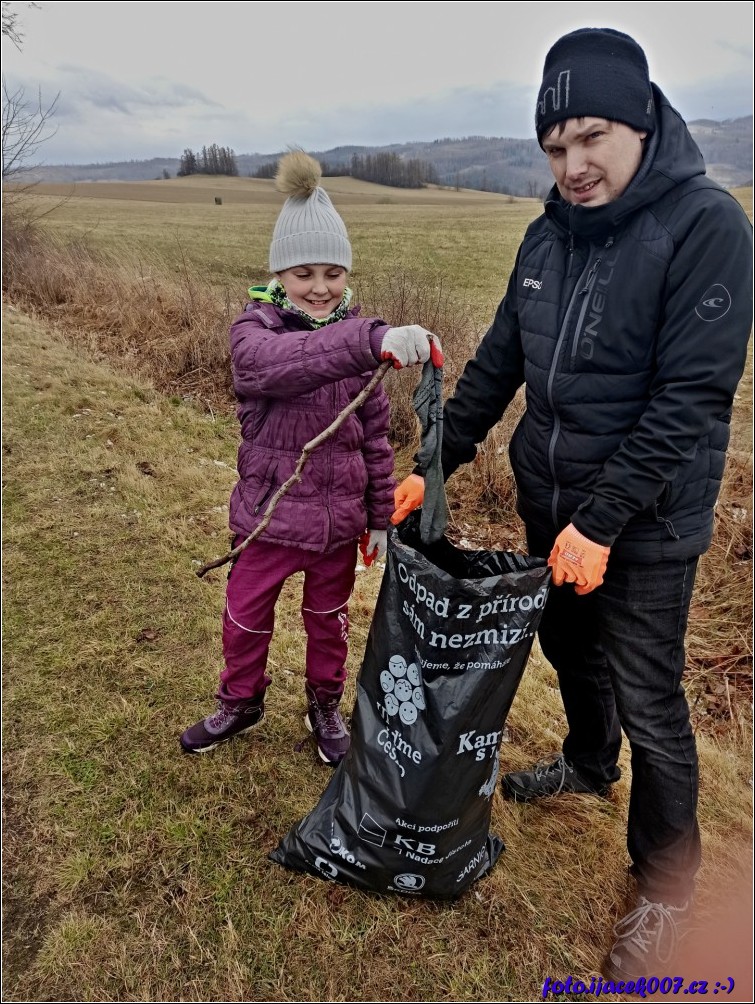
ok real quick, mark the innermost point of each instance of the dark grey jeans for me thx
(619, 655)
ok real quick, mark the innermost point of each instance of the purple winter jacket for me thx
(291, 383)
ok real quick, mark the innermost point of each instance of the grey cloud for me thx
(102, 91)
(100, 120)
(743, 51)
(726, 99)
(502, 110)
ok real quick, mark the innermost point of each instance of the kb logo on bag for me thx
(402, 687)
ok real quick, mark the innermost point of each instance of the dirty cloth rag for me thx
(428, 404)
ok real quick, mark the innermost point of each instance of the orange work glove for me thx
(408, 496)
(576, 559)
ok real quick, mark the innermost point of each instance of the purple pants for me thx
(254, 585)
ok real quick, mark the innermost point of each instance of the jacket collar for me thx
(273, 316)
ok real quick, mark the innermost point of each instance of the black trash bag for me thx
(408, 809)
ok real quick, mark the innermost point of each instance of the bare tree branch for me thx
(11, 23)
(296, 476)
(11, 28)
(25, 127)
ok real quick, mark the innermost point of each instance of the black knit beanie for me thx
(595, 71)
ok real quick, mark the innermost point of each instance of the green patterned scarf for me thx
(275, 293)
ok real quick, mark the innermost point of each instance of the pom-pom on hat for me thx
(595, 71)
(308, 231)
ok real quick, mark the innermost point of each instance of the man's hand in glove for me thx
(576, 559)
(411, 345)
(372, 544)
(408, 496)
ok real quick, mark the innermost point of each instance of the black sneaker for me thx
(646, 940)
(323, 719)
(548, 777)
(231, 719)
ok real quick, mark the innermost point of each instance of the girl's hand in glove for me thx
(372, 544)
(411, 346)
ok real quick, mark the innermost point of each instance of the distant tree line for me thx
(266, 170)
(329, 170)
(210, 160)
(380, 168)
(515, 167)
(390, 169)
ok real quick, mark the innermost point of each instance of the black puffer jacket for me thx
(628, 323)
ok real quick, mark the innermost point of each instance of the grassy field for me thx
(133, 874)
(469, 237)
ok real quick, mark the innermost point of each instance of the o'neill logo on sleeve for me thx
(715, 302)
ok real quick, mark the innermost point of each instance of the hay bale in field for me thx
(218, 201)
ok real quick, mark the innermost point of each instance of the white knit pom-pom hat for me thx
(308, 230)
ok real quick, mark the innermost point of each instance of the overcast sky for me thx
(141, 80)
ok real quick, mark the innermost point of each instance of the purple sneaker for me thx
(231, 719)
(324, 721)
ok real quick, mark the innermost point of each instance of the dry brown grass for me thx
(133, 878)
(132, 311)
(468, 237)
(170, 325)
(201, 189)
(134, 874)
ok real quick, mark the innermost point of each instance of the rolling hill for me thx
(511, 166)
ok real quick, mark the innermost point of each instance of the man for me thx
(627, 318)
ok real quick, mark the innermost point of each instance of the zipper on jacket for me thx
(670, 529)
(590, 277)
(591, 274)
(584, 292)
(328, 448)
(264, 499)
(549, 391)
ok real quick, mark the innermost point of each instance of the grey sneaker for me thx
(646, 940)
(231, 719)
(324, 721)
(548, 777)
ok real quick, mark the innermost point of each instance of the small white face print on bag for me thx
(391, 704)
(387, 681)
(407, 713)
(397, 665)
(402, 689)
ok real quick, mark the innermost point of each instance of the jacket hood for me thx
(671, 157)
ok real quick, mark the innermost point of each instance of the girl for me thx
(300, 353)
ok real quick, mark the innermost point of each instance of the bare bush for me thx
(429, 300)
(174, 333)
(719, 639)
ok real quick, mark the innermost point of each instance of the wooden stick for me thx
(296, 476)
